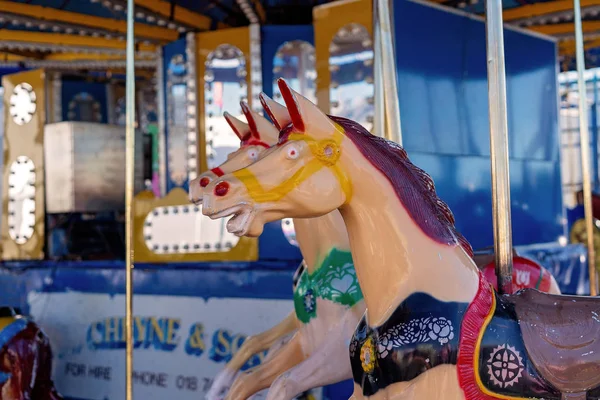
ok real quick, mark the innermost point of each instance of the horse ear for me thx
(302, 111)
(260, 127)
(240, 128)
(278, 113)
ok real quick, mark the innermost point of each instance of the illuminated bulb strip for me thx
(255, 68)
(149, 16)
(192, 107)
(160, 94)
(70, 65)
(571, 36)
(563, 16)
(184, 230)
(248, 11)
(53, 48)
(58, 27)
(57, 97)
(21, 200)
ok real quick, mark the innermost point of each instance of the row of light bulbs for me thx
(83, 64)
(566, 16)
(192, 130)
(248, 11)
(182, 247)
(141, 13)
(53, 48)
(56, 27)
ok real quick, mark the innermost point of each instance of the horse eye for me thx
(252, 154)
(292, 153)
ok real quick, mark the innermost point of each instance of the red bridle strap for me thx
(217, 171)
(254, 142)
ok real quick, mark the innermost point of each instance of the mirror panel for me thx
(224, 87)
(295, 62)
(177, 120)
(83, 107)
(351, 90)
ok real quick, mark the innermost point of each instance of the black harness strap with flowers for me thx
(422, 333)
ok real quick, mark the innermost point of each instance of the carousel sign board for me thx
(180, 343)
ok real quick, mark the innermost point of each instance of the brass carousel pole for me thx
(378, 95)
(499, 144)
(584, 140)
(386, 85)
(129, 171)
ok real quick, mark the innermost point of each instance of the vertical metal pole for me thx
(378, 95)
(499, 144)
(595, 135)
(585, 148)
(383, 18)
(129, 171)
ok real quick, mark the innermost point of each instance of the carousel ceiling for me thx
(90, 34)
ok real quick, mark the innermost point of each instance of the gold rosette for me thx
(367, 356)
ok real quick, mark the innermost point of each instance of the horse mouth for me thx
(195, 197)
(239, 223)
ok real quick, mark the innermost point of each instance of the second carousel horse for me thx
(434, 326)
(327, 299)
(526, 273)
(25, 359)
(251, 145)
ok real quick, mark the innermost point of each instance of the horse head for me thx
(256, 136)
(304, 165)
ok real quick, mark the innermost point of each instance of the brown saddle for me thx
(562, 338)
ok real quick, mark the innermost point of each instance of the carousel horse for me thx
(251, 150)
(25, 359)
(253, 143)
(434, 326)
(327, 299)
(538, 276)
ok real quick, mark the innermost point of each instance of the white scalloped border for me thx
(185, 230)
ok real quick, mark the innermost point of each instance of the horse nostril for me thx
(222, 188)
(204, 181)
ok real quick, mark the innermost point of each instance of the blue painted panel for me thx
(442, 80)
(72, 88)
(465, 184)
(568, 265)
(272, 37)
(574, 214)
(169, 51)
(220, 282)
(8, 71)
(272, 245)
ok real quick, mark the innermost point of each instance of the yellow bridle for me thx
(326, 155)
